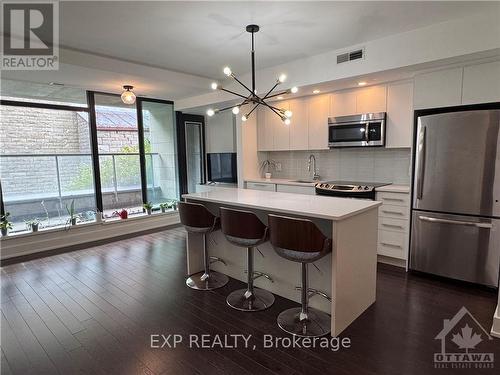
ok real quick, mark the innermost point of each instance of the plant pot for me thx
(73, 221)
(4, 231)
(34, 227)
(164, 209)
(149, 210)
(268, 175)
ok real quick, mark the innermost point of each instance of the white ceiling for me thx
(201, 37)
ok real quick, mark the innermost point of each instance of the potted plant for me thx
(71, 213)
(164, 206)
(148, 206)
(33, 224)
(266, 165)
(173, 204)
(5, 224)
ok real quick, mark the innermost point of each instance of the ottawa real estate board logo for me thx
(461, 339)
(30, 35)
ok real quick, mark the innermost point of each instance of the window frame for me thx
(91, 110)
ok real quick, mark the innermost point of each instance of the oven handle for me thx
(457, 222)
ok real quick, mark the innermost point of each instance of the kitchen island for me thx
(348, 274)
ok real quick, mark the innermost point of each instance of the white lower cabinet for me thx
(308, 190)
(393, 224)
(261, 186)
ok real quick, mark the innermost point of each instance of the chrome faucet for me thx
(312, 159)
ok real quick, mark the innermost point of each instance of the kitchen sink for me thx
(305, 181)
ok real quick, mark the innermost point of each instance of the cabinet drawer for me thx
(308, 190)
(394, 225)
(261, 186)
(395, 199)
(392, 244)
(395, 212)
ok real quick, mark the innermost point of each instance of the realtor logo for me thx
(30, 38)
(460, 343)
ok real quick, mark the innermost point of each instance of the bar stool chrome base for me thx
(262, 299)
(214, 281)
(318, 323)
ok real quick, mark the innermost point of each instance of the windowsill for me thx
(61, 228)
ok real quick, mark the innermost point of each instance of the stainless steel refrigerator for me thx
(455, 230)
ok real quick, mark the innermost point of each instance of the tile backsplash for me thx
(358, 164)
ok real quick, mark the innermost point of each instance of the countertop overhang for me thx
(315, 206)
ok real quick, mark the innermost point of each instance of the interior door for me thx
(458, 163)
(192, 162)
(460, 247)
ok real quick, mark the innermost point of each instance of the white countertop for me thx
(283, 181)
(394, 188)
(322, 207)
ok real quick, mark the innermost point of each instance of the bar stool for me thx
(244, 229)
(300, 240)
(197, 219)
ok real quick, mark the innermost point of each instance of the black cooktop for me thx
(358, 183)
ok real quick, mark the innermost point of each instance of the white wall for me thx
(220, 132)
(436, 42)
(247, 150)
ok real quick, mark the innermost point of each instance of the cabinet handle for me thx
(391, 245)
(393, 226)
(393, 199)
(392, 212)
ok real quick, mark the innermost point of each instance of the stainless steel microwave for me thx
(357, 130)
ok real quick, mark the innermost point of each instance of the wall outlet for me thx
(278, 167)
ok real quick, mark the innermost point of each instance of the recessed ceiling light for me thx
(279, 97)
(361, 83)
(316, 91)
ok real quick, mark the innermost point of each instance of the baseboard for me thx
(20, 248)
(392, 261)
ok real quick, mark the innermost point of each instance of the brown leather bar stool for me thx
(197, 219)
(244, 229)
(300, 240)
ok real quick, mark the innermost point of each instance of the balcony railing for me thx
(44, 176)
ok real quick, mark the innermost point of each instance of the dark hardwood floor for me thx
(93, 311)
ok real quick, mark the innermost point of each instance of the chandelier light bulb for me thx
(210, 112)
(282, 78)
(227, 71)
(214, 85)
(288, 113)
(287, 121)
(236, 110)
(244, 118)
(294, 89)
(128, 97)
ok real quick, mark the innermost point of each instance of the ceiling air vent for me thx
(349, 56)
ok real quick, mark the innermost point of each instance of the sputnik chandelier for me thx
(252, 97)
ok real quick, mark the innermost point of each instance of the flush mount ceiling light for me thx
(252, 97)
(128, 97)
(362, 83)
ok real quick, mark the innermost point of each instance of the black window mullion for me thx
(2, 206)
(142, 151)
(95, 151)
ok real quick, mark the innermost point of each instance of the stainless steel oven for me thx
(357, 130)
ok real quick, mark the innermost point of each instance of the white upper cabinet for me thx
(371, 99)
(399, 115)
(299, 135)
(343, 103)
(264, 131)
(281, 132)
(442, 88)
(481, 83)
(317, 114)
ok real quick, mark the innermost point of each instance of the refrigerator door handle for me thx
(421, 163)
(456, 222)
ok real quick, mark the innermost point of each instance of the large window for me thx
(44, 152)
(51, 150)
